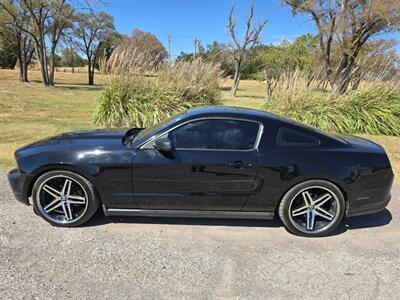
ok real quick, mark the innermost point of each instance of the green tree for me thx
(149, 45)
(69, 58)
(107, 47)
(141, 52)
(184, 56)
(14, 38)
(220, 53)
(91, 31)
(8, 59)
(46, 22)
(215, 52)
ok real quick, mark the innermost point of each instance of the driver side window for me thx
(216, 134)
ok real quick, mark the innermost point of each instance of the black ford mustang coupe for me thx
(218, 162)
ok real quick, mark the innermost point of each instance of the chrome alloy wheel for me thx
(314, 209)
(62, 199)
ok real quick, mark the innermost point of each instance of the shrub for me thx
(140, 100)
(374, 110)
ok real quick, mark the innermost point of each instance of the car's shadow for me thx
(100, 219)
(378, 219)
(381, 218)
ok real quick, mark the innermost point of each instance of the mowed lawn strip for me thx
(30, 111)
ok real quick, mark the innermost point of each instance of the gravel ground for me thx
(195, 258)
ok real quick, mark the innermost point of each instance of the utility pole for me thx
(195, 40)
(169, 47)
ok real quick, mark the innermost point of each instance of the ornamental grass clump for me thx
(374, 109)
(137, 99)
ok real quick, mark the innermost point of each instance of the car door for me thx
(212, 166)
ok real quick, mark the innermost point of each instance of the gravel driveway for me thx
(195, 258)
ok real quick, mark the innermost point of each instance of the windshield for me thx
(156, 128)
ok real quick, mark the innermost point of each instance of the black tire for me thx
(294, 226)
(35, 211)
(91, 203)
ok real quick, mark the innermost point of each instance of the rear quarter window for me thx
(292, 137)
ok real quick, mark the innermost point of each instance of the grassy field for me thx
(30, 111)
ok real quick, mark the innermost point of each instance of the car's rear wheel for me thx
(312, 208)
(64, 198)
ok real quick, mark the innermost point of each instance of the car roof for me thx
(241, 112)
(231, 111)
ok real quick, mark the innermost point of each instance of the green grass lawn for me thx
(251, 94)
(30, 111)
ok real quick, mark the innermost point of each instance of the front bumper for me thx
(19, 183)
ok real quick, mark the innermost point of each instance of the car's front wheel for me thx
(312, 208)
(64, 198)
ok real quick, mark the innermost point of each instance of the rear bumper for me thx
(373, 199)
(19, 182)
(369, 208)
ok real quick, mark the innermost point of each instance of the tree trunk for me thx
(91, 78)
(42, 64)
(90, 74)
(25, 72)
(341, 85)
(51, 67)
(23, 68)
(51, 72)
(72, 60)
(42, 58)
(27, 58)
(347, 66)
(356, 83)
(19, 63)
(344, 75)
(236, 78)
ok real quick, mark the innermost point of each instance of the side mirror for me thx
(163, 145)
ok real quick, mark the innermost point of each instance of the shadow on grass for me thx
(379, 219)
(252, 96)
(225, 88)
(79, 87)
(73, 86)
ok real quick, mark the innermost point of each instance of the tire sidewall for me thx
(93, 202)
(286, 200)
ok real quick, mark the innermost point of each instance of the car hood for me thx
(86, 139)
(93, 134)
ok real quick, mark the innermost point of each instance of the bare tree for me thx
(350, 23)
(250, 39)
(91, 30)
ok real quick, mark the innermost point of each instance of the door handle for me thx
(240, 164)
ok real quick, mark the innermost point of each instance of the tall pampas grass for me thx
(141, 95)
(373, 109)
